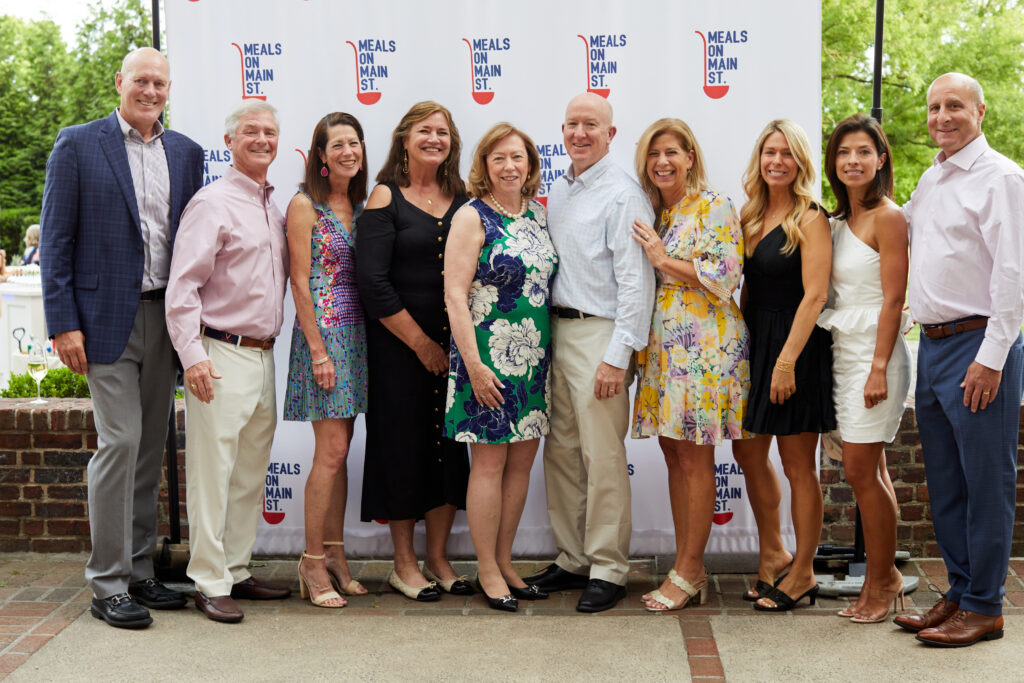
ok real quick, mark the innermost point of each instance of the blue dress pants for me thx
(971, 466)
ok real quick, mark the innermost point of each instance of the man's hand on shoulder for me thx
(609, 381)
(70, 347)
(199, 379)
(980, 385)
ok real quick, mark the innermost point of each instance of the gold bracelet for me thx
(322, 360)
(784, 365)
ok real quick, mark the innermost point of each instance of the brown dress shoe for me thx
(962, 629)
(942, 610)
(256, 589)
(219, 608)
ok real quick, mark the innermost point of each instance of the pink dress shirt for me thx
(230, 266)
(966, 223)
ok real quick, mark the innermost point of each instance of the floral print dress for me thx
(694, 375)
(509, 305)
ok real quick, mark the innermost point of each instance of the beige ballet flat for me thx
(696, 594)
(305, 590)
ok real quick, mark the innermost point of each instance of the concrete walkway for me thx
(46, 633)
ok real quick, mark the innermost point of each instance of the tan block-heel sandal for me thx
(305, 590)
(353, 587)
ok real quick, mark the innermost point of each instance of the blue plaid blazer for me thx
(90, 241)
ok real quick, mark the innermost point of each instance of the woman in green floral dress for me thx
(498, 267)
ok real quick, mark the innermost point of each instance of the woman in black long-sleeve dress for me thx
(411, 471)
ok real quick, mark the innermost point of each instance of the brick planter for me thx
(44, 451)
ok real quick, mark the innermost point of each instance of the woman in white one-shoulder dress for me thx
(871, 361)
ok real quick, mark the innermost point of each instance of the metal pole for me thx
(876, 90)
(156, 24)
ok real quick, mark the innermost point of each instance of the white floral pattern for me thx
(481, 299)
(466, 437)
(533, 425)
(529, 242)
(536, 288)
(515, 347)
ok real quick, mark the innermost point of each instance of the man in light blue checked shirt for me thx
(602, 300)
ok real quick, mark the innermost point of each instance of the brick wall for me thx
(44, 451)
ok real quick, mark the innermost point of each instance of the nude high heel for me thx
(305, 590)
(897, 598)
(353, 587)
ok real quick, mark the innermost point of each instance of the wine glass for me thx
(37, 366)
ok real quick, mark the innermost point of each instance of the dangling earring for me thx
(405, 163)
(324, 171)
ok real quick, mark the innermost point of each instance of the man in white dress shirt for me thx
(601, 312)
(966, 221)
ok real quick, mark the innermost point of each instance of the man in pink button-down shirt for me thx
(224, 309)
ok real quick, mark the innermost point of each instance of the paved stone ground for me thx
(41, 594)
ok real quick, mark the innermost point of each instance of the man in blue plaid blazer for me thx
(115, 189)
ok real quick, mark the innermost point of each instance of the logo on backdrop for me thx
(553, 162)
(371, 67)
(719, 60)
(727, 491)
(275, 492)
(255, 61)
(485, 65)
(214, 161)
(600, 51)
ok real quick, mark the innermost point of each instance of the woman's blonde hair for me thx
(696, 177)
(802, 189)
(480, 182)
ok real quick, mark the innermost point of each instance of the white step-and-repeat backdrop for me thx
(726, 68)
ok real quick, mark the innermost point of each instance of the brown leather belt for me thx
(571, 313)
(237, 339)
(943, 330)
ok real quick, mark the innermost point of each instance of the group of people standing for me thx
(454, 313)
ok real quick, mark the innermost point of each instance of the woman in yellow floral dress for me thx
(694, 374)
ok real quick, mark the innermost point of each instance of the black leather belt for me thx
(571, 313)
(943, 330)
(153, 295)
(238, 340)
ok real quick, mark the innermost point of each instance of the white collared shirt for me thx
(602, 270)
(966, 225)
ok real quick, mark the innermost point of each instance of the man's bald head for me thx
(588, 130)
(143, 82)
(603, 106)
(960, 80)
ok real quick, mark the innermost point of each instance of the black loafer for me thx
(155, 595)
(121, 611)
(554, 579)
(600, 595)
(531, 592)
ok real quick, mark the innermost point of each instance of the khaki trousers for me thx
(226, 456)
(585, 456)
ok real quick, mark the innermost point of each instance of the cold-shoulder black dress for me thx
(775, 288)
(410, 467)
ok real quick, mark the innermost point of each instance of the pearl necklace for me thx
(508, 214)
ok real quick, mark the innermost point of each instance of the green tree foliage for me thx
(923, 39)
(34, 68)
(111, 31)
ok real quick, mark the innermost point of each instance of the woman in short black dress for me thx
(411, 470)
(789, 257)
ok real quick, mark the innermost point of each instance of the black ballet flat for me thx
(505, 603)
(531, 592)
